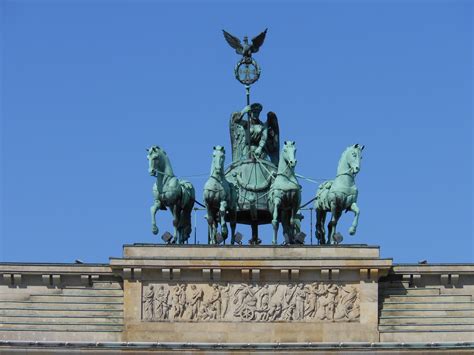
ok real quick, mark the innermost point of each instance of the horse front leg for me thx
(335, 215)
(156, 206)
(222, 212)
(255, 240)
(285, 220)
(293, 213)
(233, 225)
(276, 206)
(174, 211)
(210, 223)
(320, 220)
(354, 208)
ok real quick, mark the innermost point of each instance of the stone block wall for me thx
(253, 295)
(428, 303)
(60, 302)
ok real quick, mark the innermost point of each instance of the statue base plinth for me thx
(260, 294)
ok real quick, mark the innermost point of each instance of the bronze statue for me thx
(260, 185)
(285, 195)
(253, 138)
(220, 198)
(245, 49)
(169, 191)
(338, 195)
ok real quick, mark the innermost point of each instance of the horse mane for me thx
(343, 158)
(167, 163)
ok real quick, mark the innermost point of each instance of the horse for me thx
(339, 194)
(169, 191)
(285, 195)
(219, 198)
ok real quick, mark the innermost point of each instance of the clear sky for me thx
(86, 86)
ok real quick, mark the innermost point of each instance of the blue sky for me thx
(86, 86)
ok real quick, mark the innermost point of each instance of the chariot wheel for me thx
(247, 314)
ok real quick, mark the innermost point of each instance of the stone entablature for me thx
(51, 274)
(314, 293)
(233, 294)
(451, 275)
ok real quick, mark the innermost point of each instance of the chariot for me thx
(260, 185)
(255, 153)
(252, 179)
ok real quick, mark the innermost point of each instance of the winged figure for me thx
(262, 139)
(245, 48)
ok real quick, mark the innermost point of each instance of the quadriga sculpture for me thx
(169, 191)
(339, 194)
(285, 194)
(220, 198)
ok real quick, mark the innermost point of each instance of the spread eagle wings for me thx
(235, 43)
(258, 41)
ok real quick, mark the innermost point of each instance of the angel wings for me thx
(245, 48)
(266, 134)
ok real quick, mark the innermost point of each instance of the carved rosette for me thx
(244, 302)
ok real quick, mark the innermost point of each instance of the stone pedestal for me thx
(250, 294)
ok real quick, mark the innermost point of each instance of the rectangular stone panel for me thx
(250, 302)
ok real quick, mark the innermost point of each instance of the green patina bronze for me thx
(260, 184)
(220, 198)
(339, 194)
(285, 195)
(255, 155)
(170, 192)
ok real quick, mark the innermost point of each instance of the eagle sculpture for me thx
(245, 49)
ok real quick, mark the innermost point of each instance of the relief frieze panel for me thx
(243, 302)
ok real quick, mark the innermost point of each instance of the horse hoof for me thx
(352, 231)
(154, 230)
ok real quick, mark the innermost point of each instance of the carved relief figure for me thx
(225, 295)
(161, 303)
(300, 297)
(182, 300)
(179, 301)
(311, 299)
(275, 310)
(149, 303)
(345, 304)
(214, 302)
(197, 295)
(326, 302)
(247, 302)
(264, 297)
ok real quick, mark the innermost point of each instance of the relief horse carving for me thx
(339, 194)
(169, 191)
(285, 194)
(220, 198)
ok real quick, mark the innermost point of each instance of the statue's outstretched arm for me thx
(244, 111)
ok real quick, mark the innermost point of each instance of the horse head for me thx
(153, 156)
(289, 154)
(218, 158)
(353, 156)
